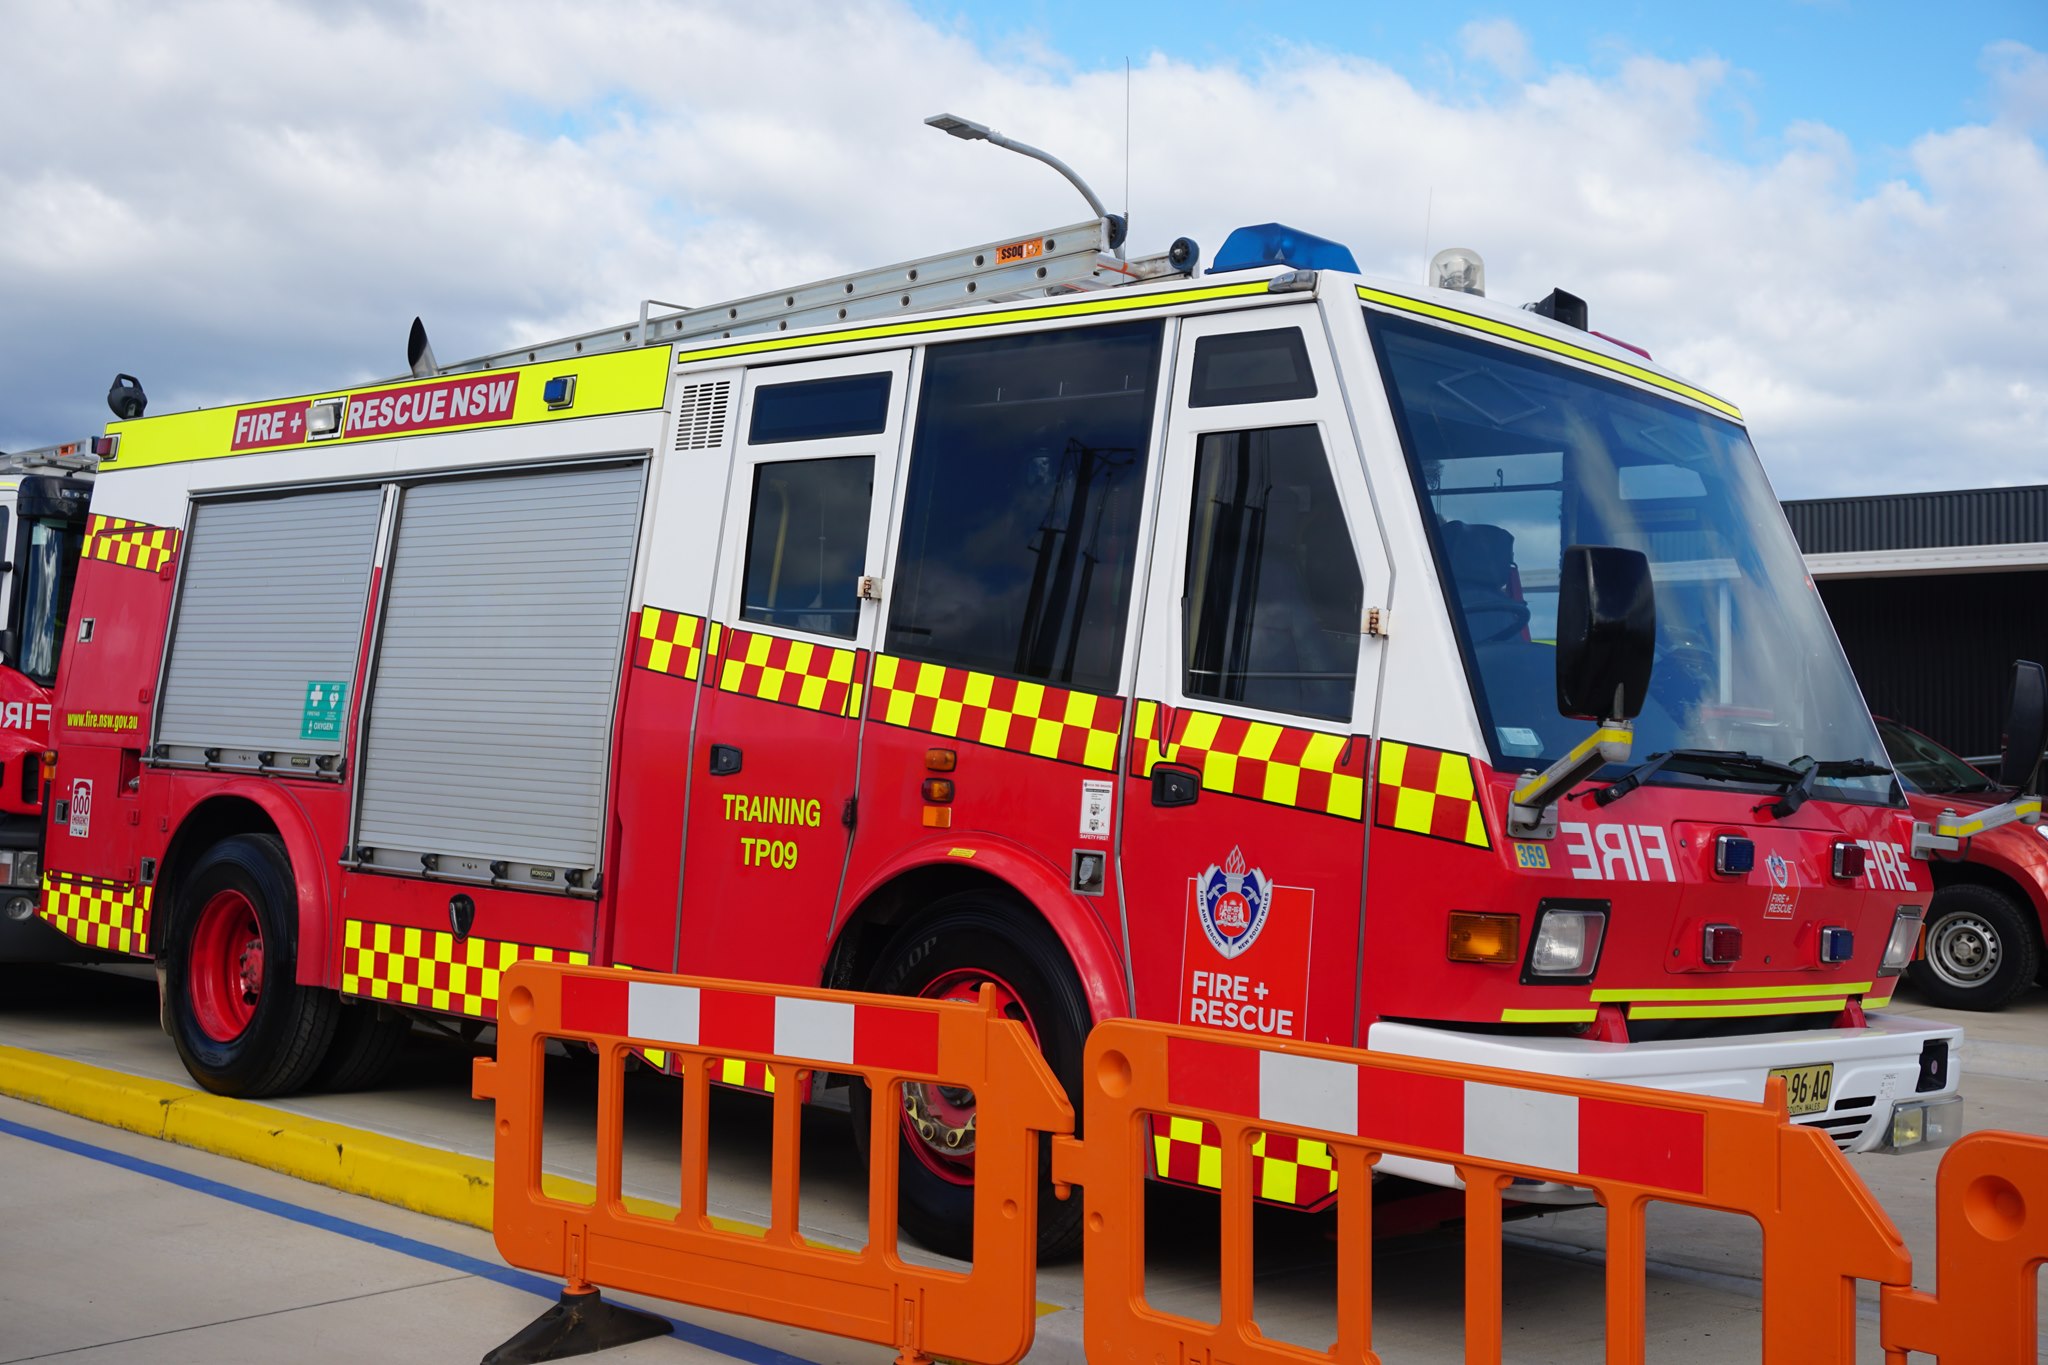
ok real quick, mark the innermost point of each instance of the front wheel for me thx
(1980, 949)
(242, 1023)
(968, 940)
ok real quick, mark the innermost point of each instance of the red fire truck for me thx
(44, 494)
(1266, 648)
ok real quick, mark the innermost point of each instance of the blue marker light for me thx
(560, 391)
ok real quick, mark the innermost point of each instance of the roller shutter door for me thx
(271, 603)
(490, 712)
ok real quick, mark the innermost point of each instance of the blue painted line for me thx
(738, 1348)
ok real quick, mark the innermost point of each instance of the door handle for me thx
(1174, 786)
(725, 760)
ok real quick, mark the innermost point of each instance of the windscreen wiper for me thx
(1692, 760)
(1800, 791)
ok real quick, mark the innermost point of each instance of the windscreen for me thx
(1516, 458)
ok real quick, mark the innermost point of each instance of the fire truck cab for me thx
(44, 494)
(1135, 640)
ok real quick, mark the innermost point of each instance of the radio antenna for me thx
(1127, 139)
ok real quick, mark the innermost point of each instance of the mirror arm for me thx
(1947, 831)
(1532, 809)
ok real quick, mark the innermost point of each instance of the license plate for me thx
(1807, 1088)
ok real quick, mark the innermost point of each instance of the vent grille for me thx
(700, 415)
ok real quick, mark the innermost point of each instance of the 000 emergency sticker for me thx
(1095, 799)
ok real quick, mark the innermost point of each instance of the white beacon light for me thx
(1459, 268)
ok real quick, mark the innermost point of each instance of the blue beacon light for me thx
(1277, 244)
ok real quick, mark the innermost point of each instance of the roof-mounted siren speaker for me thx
(126, 399)
(1568, 309)
(1458, 268)
(419, 356)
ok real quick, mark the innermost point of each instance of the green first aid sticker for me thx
(326, 706)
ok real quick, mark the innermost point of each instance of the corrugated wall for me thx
(1918, 521)
(1936, 652)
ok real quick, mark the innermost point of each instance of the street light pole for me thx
(969, 131)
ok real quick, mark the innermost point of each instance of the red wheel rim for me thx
(938, 1120)
(224, 978)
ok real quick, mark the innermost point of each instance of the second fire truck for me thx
(1269, 649)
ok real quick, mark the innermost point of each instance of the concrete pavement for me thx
(1703, 1273)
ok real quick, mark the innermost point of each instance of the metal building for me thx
(1934, 595)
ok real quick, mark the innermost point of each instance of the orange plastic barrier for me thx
(984, 1315)
(1991, 1240)
(1821, 1230)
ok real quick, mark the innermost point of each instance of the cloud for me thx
(2019, 84)
(242, 200)
(1498, 43)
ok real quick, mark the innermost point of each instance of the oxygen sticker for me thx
(322, 715)
(1245, 955)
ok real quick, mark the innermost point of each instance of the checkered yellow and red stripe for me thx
(1295, 1172)
(673, 642)
(1283, 765)
(792, 672)
(131, 544)
(97, 912)
(432, 969)
(1429, 791)
(981, 708)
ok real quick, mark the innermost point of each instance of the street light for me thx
(967, 130)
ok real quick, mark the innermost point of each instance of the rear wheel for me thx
(968, 940)
(243, 1026)
(1980, 949)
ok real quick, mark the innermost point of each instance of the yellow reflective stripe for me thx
(1733, 1011)
(1551, 344)
(1108, 303)
(1548, 1016)
(1872, 1003)
(1738, 992)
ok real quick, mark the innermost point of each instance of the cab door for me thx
(777, 733)
(1243, 845)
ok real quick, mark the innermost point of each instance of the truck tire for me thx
(368, 1041)
(967, 939)
(1980, 949)
(242, 1024)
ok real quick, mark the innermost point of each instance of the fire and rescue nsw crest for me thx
(1233, 904)
(1245, 953)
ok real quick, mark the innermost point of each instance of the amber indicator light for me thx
(938, 789)
(1478, 937)
(941, 760)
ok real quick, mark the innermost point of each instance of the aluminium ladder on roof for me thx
(1058, 260)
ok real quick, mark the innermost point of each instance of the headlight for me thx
(1898, 949)
(1566, 942)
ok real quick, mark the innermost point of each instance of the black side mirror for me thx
(1606, 632)
(2026, 725)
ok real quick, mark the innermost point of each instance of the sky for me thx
(1831, 212)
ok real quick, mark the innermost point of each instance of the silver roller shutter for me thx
(270, 604)
(498, 658)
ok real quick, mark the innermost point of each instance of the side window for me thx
(807, 536)
(1273, 598)
(1250, 367)
(1020, 517)
(813, 409)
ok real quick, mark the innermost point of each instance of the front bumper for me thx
(1877, 1069)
